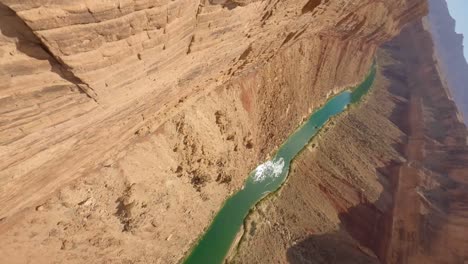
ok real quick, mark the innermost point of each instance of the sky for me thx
(459, 11)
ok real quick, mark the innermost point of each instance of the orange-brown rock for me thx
(158, 110)
(386, 183)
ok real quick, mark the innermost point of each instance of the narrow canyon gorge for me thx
(125, 125)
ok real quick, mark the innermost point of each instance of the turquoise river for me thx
(215, 244)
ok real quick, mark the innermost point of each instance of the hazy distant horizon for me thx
(458, 10)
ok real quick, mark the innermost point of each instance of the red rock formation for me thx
(164, 106)
(135, 60)
(387, 182)
(449, 53)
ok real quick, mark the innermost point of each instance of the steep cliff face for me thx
(164, 106)
(386, 183)
(123, 49)
(449, 53)
(138, 62)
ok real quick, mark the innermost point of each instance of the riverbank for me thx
(268, 177)
(324, 180)
(345, 200)
(137, 171)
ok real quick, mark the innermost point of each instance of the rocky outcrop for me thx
(124, 49)
(133, 63)
(449, 53)
(386, 183)
(163, 106)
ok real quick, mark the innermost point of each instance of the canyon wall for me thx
(449, 53)
(385, 182)
(82, 78)
(151, 113)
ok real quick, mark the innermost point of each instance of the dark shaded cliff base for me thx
(386, 183)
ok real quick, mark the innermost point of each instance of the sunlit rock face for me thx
(187, 96)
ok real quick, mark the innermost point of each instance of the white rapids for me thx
(269, 169)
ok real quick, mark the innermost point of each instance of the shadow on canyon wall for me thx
(328, 248)
(363, 235)
(365, 229)
(441, 187)
(14, 27)
(29, 44)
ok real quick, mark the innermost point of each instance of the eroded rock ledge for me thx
(386, 183)
(164, 106)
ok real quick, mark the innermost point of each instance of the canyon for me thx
(448, 46)
(125, 125)
(392, 191)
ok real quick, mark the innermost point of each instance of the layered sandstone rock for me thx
(164, 106)
(386, 183)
